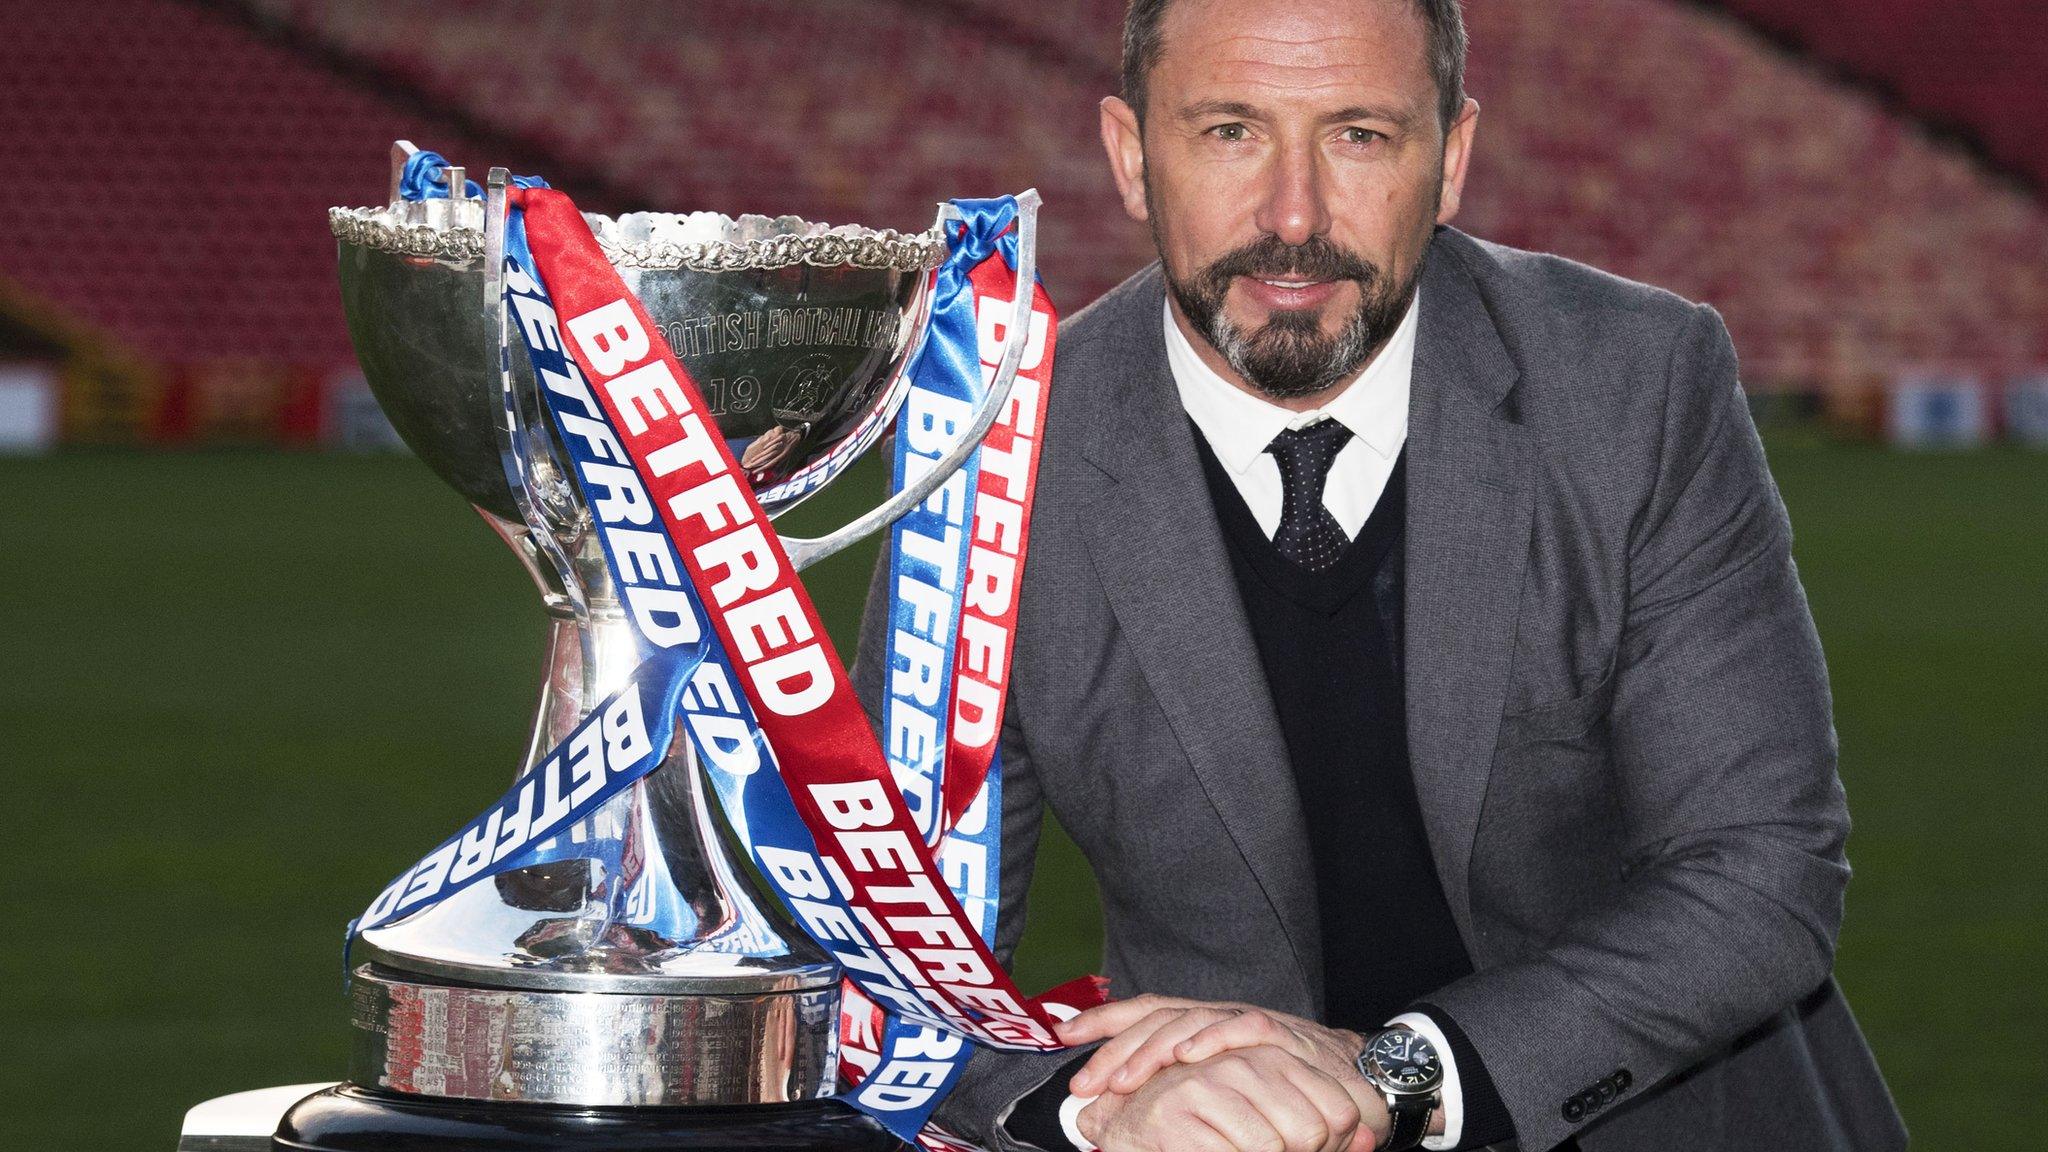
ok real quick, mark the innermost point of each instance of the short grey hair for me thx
(1446, 19)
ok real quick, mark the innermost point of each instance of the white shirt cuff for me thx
(1453, 1096)
(1070, 1120)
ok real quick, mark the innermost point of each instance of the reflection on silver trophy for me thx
(637, 964)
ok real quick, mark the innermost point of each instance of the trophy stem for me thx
(643, 895)
(632, 964)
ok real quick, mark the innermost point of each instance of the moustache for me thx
(1271, 258)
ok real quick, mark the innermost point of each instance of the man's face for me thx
(1291, 167)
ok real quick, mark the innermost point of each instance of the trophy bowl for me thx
(797, 333)
(636, 964)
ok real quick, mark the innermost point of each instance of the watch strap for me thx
(1411, 1121)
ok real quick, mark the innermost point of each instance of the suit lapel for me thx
(1468, 509)
(1159, 553)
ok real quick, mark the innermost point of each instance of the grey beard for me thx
(1288, 357)
(1298, 367)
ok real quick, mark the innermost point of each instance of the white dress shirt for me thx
(1238, 426)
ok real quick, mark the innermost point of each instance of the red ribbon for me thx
(804, 701)
(995, 562)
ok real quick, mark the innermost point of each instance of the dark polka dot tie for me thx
(1308, 535)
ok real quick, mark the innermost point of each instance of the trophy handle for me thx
(401, 151)
(804, 552)
(519, 448)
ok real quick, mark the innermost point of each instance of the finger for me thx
(1094, 1075)
(1339, 1109)
(1156, 1051)
(1349, 1096)
(1203, 1136)
(1106, 1020)
(1243, 1030)
(1195, 1135)
(1374, 1125)
(1134, 1124)
(1229, 1112)
(1310, 1110)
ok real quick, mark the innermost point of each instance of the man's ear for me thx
(1124, 143)
(1457, 154)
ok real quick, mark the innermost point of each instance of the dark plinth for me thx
(350, 1119)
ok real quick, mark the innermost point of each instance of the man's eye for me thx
(1231, 133)
(1362, 136)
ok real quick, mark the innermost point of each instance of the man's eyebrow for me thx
(1203, 108)
(1395, 116)
(1238, 108)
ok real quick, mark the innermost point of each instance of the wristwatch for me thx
(1403, 1065)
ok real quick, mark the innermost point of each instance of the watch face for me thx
(1403, 1061)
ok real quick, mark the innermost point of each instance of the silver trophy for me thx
(640, 967)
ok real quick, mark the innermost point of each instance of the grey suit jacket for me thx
(1618, 717)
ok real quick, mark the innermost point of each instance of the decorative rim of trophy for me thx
(657, 241)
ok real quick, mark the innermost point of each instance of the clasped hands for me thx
(1197, 1076)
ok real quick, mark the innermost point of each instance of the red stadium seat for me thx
(183, 208)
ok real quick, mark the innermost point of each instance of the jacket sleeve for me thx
(1724, 767)
(993, 1080)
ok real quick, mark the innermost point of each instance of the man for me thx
(1411, 641)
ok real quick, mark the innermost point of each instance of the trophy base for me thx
(352, 1119)
(419, 1037)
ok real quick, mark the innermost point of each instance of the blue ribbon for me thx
(623, 739)
(928, 553)
(425, 177)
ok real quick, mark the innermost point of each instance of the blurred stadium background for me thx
(253, 661)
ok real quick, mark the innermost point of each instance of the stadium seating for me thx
(1643, 136)
(1843, 245)
(1976, 65)
(169, 177)
(1653, 138)
(852, 112)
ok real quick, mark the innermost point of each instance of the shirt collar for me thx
(1239, 425)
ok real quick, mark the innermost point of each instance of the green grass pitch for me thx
(238, 692)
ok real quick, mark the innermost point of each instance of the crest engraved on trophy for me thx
(634, 964)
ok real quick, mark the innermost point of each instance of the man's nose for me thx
(1295, 207)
